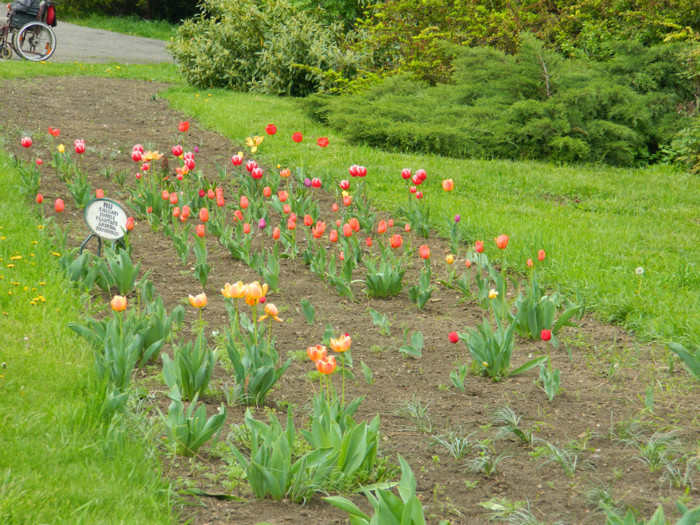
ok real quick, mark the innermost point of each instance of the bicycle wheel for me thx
(35, 41)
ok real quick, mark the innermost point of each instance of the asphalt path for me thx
(86, 45)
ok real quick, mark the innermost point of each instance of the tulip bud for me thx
(276, 233)
(39, 198)
(246, 228)
(541, 255)
(129, 224)
(204, 215)
(26, 142)
(200, 229)
(454, 337)
(177, 150)
(546, 335)
(59, 205)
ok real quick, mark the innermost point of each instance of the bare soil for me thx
(605, 372)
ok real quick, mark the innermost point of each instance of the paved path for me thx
(84, 44)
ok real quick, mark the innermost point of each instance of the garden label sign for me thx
(106, 218)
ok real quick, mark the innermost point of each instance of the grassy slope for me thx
(56, 465)
(626, 218)
(149, 72)
(128, 25)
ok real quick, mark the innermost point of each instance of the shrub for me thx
(269, 46)
(532, 105)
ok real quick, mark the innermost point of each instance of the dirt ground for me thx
(605, 373)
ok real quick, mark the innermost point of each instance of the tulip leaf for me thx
(367, 372)
(309, 312)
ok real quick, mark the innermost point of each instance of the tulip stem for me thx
(255, 321)
(342, 364)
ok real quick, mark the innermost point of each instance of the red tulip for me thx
(220, 201)
(297, 137)
(282, 195)
(238, 214)
(129, 224)
(333, 236)
(479, 246)
(267, 192)
(79, 146)
(59, 205)
(422, 175)
(390, 223)
(276, 233)
(186, 211)
(286, 208)
(501, 241)
(424, 251)
(137, 147)
(244, 202)
(347, 200)
(308, 220)
(189, 163)
(419, 195)
(454, 337)
(406, 173)
(291, 224)
(407, 227)
(39, 198)
(354, 224)
(251, 165)
(368, 241)
(210, 194)
(54, 131)
(546, 335)
(396, 241)
(200, 229)
(39, 162)
(322, 142)
(257, 173)
(344, 185)
(99, 193)
(236, 160)
(136, 156)
(316, 182)
(174, 198)
(530, 264)
(347, 230)
(183, 126)
(467, 263)
(176, 212)
(413, 189)
(26, 142)
(177, 150)
(338, 222)
(246, 228)
(204, 215)
(416, 181)
(270, 129)
(541, 255)
(334, 206)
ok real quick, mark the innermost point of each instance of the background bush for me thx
(173, 11)
(269, 46)
(535, 104)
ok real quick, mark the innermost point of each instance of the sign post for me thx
(106, 219)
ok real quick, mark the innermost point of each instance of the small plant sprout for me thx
(417, 413)
(509, 423)
(455, 442)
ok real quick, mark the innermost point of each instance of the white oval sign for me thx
(106, 218)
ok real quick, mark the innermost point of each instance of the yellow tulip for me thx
(199, 301)
(254, 292)
(118, 303)
(233, 291)
(450, 259)
(270, 311)
(61, 148)
(341, 344)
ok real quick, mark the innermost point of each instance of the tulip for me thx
(341, 344)
(26, 142)
(244, 202)
(177, 150)
(220, 202)
(60, 148)
(236, 160)
(276, 233)
(297, 137)
(422, 175)
(59, 205)
(196, 149)
(137, 147)
(246, 228)
(344, 185)
(189, 163)
(347, 230)
(424, 251)
(381, 228)
(238, 214)
(199, 301)
(183, 126)
(450, 259)
(458, 217)
(338, 222)
(333, 236)
(200, 229)
(467, 263)
(396, 241)
(54, 131)
(390, 223)
(176, 212)
(272, 312)
(354, 170)
(174, 198)
(541, 255)
(267, 192)
(39, 198)
(416, 181)
(118, 303)
(316, 182)
(419, 195)
(204, 215)
(326, 365)
(530, 264)
(282, 195)
(149, 209)
(334, 206)
(318, 230)
(501, 241)
(251, 165)
(136, 156)
(79, 146)
(270, 129)
(368, 241)
(479, 246)
(307, 182)
(145, 166)
(317, 352)
(322, 142)
(285, 173)
(186, 211)
(406, 173)
(347, 200)
(407, 227)
(413, 189)
(262, 223)
(286, 208)
(219, 192)
(354, 224)
(454, 337)
(201, 193)
(210, 194)
(129, 224)
(448, 185)
(308, 220)
(546, 335)
(291, 224)
(233, 291)
(254, 292)
(165, 195)
(257, 173)
(493, 294)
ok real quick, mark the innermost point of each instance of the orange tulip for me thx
(199, 301)
(407, 227)
(448, 184)
(233, 291)
(318, 230)
(308, 220)
(270, 311)
(347, 200)
(201, 230)
(285, 173)
(530, 264)
(317, 352)
(390, 223)
(396, 241)
(334, 207)
(501, 241)
(282, 195)
(267, 192)
(541, 255)
(381, 228)
(326, 365)
(210, 194)
(450, 259)
(333, 236)
(118, 303)
(347, 230)
(174, 198)
(291, 224)
(276, 233)
(59, 205)
(354, 224)
(244, 202)
(254, 292)
(185, 214)
(204, 215)
(238, 214)
(246, 228)
(467, 263)
(479, 246)
(424, 251)
(341, 344)
(286, 208)
(176, 212)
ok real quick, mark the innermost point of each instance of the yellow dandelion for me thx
(16, 258)
(56, 254)
(35, 242)
(41, 227)
(10, 265)
(42, 284)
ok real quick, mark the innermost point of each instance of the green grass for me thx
(58, 462)
(128, 25)
(597, 224)
(164, 72)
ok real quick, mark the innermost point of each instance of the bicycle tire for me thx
(5, 52)
(35, 42)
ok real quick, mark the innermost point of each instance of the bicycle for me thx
(30, 37)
